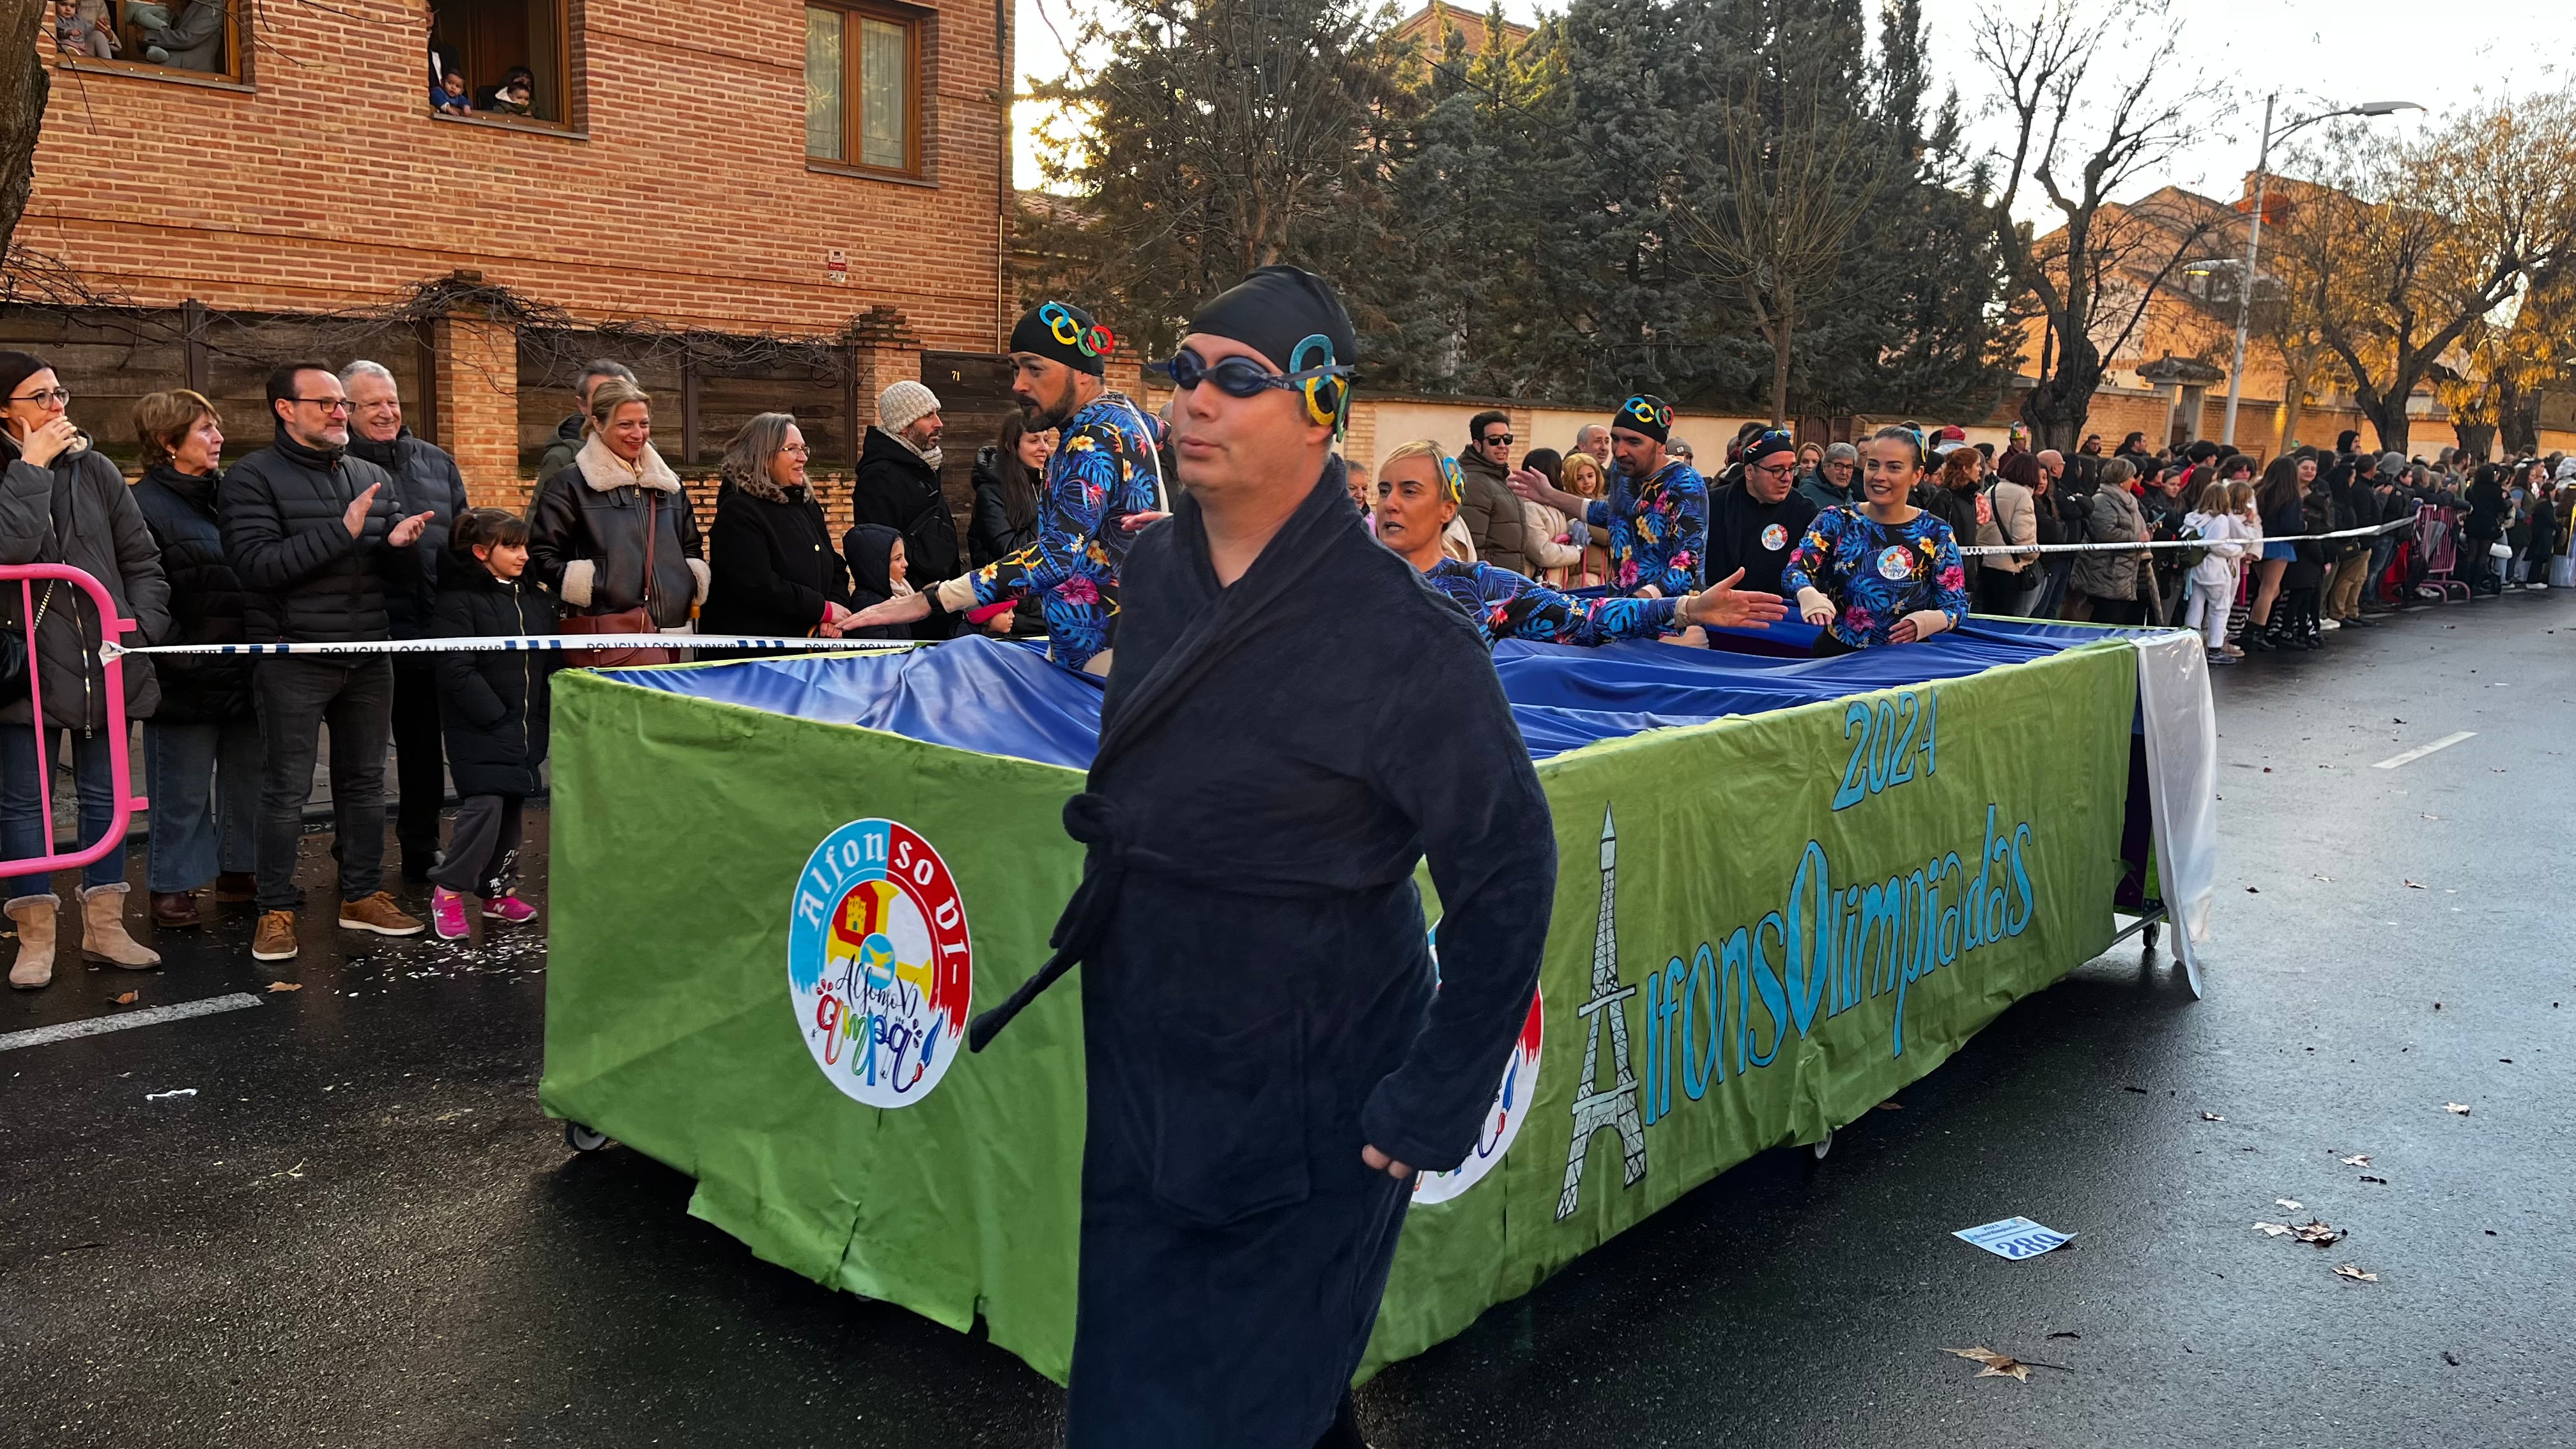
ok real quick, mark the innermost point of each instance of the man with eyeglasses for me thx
(1104, 474)
(426, 480)
(319, 542)
(1492, 511)
(1293, 724)
(1754, 526)
(1657, 511)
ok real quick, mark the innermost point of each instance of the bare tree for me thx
(2093, 103)
(2405, 248)
(1803, 163)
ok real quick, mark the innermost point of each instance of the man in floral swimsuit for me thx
(1103, 472)
(1657, 511)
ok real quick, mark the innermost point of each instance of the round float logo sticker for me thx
(1503, 1119)
(1895, 564)
(1774, 538)
(879, 969)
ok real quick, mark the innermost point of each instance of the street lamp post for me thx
(2254, 232)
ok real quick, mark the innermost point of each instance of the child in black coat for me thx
(492, 706)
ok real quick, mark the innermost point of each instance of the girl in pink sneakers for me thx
(492, 710)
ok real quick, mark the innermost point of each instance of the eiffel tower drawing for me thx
(1617, 1107)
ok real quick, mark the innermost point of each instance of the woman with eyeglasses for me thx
(776, 572)
(61, 502)
(1885, 572)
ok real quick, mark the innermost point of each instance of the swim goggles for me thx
(1240, 376)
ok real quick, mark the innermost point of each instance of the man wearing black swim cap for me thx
(1657, 511)
(1103, 473)
(1754, 525)
(1292, 723)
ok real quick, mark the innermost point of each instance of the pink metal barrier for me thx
(120, 776)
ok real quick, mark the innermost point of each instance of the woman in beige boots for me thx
(60, 502)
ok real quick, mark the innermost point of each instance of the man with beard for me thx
(1294, 722)
(1752, 527)
(1657, 511)
(1104, 471)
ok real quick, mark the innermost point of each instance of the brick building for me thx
(756, 203)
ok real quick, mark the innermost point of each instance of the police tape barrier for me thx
(519, 642)
(2407, 522)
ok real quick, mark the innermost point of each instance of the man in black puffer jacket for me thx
(316, 540)
(425, 480)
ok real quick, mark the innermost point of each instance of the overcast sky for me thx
(2318, 52)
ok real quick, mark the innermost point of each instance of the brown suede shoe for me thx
(379, 914)
(275, 940)
(236, 887)
(174, 908)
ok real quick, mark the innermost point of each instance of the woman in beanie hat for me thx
(62, 503)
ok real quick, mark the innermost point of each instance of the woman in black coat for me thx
(597, 523)
(776, 573)
(201, 748)
(1005, 520)
(61, 502)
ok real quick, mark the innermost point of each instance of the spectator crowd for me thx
(349, 532)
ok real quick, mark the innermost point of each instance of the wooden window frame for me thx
(853, 118)
(237, 78)
(566, 79)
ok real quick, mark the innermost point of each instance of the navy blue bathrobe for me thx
(1259, 1000)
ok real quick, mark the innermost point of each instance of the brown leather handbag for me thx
(638, 620)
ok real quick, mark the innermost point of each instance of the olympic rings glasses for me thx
(1240, 376)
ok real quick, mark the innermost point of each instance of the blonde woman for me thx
(612, 534)
(1585, 479)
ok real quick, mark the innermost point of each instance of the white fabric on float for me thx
(2181, 727)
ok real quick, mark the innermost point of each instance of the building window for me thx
(863, 87)
(148, 36)
(506, 59)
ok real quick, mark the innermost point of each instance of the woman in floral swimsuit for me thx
(1885, 572)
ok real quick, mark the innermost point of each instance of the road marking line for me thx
(149, 1016)
(2420, 751)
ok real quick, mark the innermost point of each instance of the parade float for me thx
(1786, 888)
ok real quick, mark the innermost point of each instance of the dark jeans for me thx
(24, 832)
(297, 696)
(2002, 592)
(420, 772)
(482, 848)
(205, 802)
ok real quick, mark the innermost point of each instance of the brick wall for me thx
(685, 197)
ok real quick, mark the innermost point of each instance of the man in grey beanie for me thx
(898, 486)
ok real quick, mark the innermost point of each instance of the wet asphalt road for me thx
(361, 1231)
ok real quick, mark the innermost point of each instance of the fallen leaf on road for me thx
(2065, 1333)
(2211, 1117)
(2359, 1159)
(2346, 1270)
(2251, 891)
(286, 986)
(2329, 880)
(2273, 1230)
(1997, 1366)
(2319, 1232)
(128, 998)
(2366, 1177)
(1890, 1107)
(2413, 886)
(2141, 1091)
(2450, 1358)
(2456, 1109)
(2284, 1202)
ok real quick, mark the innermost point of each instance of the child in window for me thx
(78, 34)
(449, 95)
(512, 99)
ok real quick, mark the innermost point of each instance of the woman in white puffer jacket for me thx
(2218, 517)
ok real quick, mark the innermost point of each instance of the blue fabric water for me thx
(1001, 697)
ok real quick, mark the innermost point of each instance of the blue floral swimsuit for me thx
(1658, 533)
(1103, 470)
(1877, 575)
(1504, 605)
